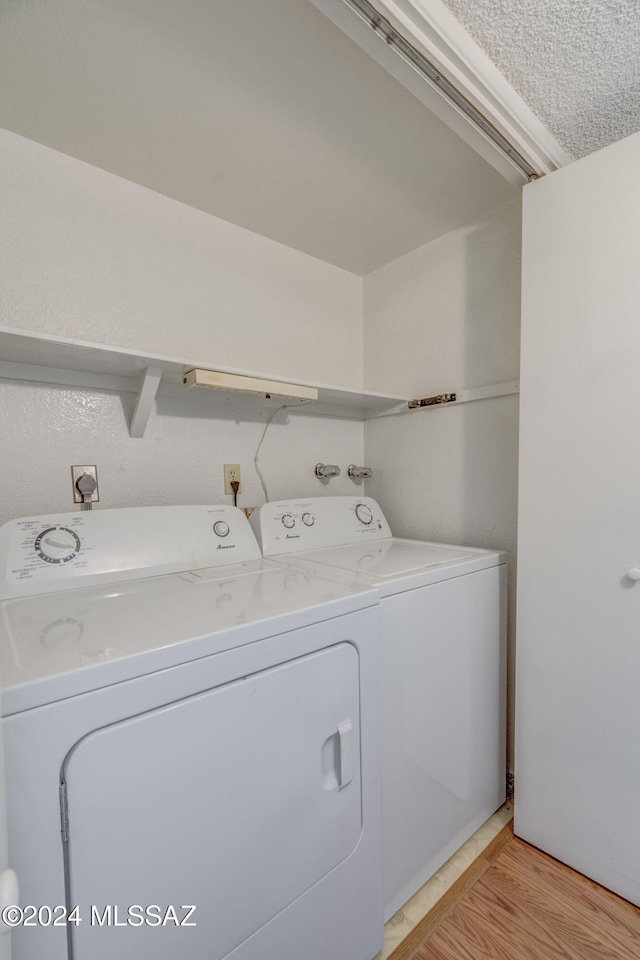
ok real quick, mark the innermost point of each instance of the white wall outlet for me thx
(231, 473)
(76, 472)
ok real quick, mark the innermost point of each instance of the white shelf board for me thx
(43, 358)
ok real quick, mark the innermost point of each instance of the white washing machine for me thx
(203, 739)
(443, 633)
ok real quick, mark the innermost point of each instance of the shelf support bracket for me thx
(144, 402)
(432, 401)
(465, 396)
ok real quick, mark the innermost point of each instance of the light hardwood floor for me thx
(528, 906)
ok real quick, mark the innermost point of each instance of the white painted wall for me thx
(261, 112)
(45, 429)
(446, 315)
(86, 254)
(444, 318)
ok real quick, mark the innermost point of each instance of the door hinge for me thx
(64, 813)
(510, 784)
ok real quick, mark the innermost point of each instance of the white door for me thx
(578, 639)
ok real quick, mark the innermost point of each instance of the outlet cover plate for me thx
(76, 473)
(231, 472)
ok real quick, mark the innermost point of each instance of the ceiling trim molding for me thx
(432, 29)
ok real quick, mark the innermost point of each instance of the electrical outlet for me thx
(76, 472)
(231, 473)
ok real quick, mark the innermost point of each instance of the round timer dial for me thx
(57, 545)
(364, 514)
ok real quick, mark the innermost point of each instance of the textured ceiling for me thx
(575, 62)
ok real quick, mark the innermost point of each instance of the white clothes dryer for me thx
(191, 735)
(443, 634)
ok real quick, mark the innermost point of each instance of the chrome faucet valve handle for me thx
(324, 471)
(359, 473)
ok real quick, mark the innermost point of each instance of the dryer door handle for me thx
(345, 731)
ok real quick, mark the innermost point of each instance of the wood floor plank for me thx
(604, 937)
(614, 918)
(466, 935)
(511, 930)
(607, 908)
(555, 927)
(430, 952)
(528, 906)
(534, 863)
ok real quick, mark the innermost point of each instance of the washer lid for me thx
(388, 558)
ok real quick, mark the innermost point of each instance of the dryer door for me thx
(235, 801)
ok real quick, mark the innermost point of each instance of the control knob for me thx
(288, 521)
(308, 519)
(364, 514)
(57, 544)
(221, 528)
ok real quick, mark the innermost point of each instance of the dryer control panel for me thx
(293, 526)
(65, 550)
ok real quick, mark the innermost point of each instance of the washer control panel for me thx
(61, 551)
(293, 526)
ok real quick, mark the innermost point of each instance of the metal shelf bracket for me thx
(465, 396)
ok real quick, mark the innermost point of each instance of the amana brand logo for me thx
(292, 536)
(226, 546)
